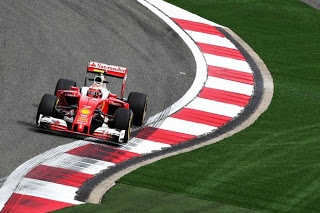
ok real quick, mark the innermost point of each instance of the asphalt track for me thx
(42, 41)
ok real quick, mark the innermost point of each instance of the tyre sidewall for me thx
(47, 106)
(123, 120)
(138, 104)
(64, 84)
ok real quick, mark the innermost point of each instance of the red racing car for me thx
(93, 110)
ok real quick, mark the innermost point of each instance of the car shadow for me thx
(31, 126)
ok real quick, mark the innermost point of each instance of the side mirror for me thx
(113, 95)
(75, 88)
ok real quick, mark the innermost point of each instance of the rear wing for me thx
(109, 70)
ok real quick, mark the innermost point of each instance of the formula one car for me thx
(93, 110)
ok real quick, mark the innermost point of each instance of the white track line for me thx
(230, 86)
(48, 190)
(201, 66)
(211, 39)
(186, 127)
(177, 12)
(229, 63)
(15, 177)
(216, 107)
(142, 146)
(77, 163)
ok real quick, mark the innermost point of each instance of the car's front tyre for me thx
(47, 106)
(122, 121)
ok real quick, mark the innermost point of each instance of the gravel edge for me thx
(313, 3)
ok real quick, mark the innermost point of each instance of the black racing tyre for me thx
(122, 120)
(47, 106)
(64, 84)
(138, 103)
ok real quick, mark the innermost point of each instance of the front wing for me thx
(104, 132)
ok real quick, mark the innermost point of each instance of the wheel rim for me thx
(144, 111)
(129, 126)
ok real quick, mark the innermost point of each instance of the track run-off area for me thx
(230, 85)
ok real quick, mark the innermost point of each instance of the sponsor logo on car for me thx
(114, 103)
(85, 111)
(82, 121)
(107, 67)
(70, 95)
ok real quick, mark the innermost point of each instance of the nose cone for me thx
(80, 128)
(86, 108)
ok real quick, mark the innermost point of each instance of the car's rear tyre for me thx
(64, 84)
(47, 106)
(138, 103)
(122, 120)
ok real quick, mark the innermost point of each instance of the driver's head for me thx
(98, 80)
(96, 93)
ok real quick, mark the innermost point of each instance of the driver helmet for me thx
(98, 80)
(96, 93)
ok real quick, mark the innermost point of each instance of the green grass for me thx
(274, 165)
(126, 198)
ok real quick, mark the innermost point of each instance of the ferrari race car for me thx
(93, 110)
